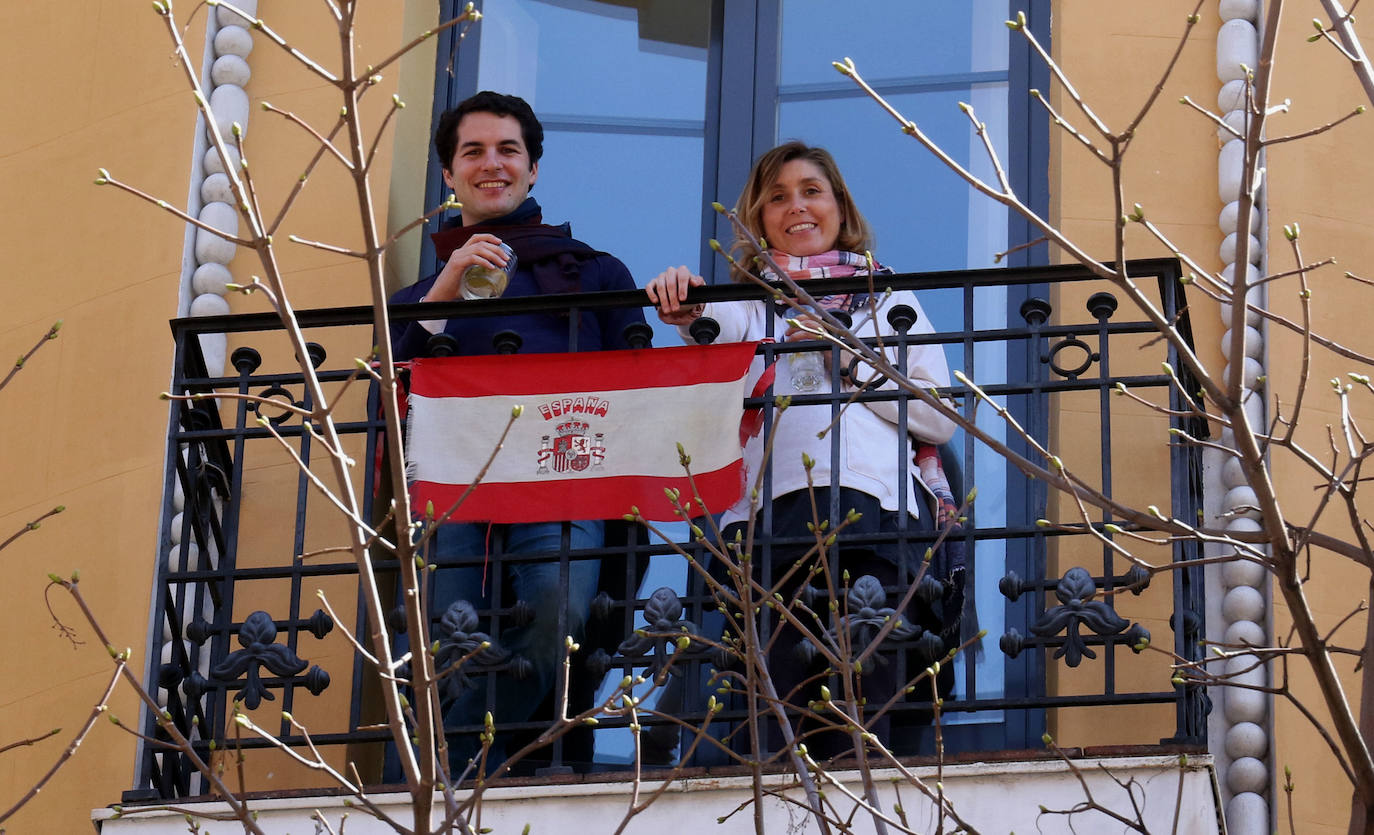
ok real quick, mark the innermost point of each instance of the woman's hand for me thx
(669, 290)
(807, 326)
(481, 249)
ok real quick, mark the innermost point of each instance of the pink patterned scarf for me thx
(839, 263)
(834, 263)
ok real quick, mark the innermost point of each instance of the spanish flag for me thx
(598, 432)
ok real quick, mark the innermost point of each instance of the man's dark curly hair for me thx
(446, 134)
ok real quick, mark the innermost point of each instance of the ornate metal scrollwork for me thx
(258, 637)
(664, 625)
(1077, 609)
(1070, 342)
(867, 613)
(459, 640)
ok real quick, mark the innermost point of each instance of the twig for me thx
(352, 253)
(1215, 119)
(30, 741)
(106, 179)
(28, 355)
(1060, 121)
(305, 126)
(30, 526)
(1278, 140)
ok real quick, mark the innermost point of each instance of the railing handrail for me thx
(1164, 269)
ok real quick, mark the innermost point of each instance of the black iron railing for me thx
(247, 539)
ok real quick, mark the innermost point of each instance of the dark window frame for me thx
(741, 112)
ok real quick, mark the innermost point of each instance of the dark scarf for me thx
(551, 253)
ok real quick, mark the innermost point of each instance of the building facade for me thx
(653, 111)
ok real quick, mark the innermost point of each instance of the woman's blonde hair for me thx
(854, 236)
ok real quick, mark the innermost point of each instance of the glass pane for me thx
(891, 39)
(621, 89)
(924, 57)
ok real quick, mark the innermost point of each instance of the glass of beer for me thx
(480, 282)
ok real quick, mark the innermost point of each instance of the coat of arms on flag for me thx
(598, 432)
(572, 449)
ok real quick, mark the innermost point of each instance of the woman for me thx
(796, 200)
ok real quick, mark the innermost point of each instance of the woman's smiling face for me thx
(800, 214)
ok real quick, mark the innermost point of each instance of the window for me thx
(656, 109)
(653, 109)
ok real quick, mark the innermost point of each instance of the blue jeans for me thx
(539, 584)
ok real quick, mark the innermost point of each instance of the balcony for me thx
(1079, 641)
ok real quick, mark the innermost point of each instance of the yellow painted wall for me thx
(94, 85)
(1113, 52)
(1323, 184)
(81, 426)
(1114, 55)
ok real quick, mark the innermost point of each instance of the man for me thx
(490, 146)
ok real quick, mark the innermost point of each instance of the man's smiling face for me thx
(491, 172)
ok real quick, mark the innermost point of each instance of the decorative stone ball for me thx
(1241, 503)
(174, 529)
(1244, 670)
(1238, 9)
(1231, 96)
(216, 189)
(210, 277)
(1254, 343)
(230, 69)
(1227, 250)
(213, 347)
(1247, 774)
(1233, 126)
(1252, 317)
(1247, 814)
(1250, 272)
(212, 247)
(1243, 705)
(1230, 162)
(1230, 214)
(1237, 47)
(1242, 572)
(1232, 473)
(228, 18)
(229, 103)
(1250, 373)
(233, 40)
(1240, 603)
(209, 305)
(1246, 739)
(212, 163)
(1253, 406)
(1244, 632)
(183, 557)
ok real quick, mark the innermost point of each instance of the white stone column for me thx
(228, 45)
(1246, 767)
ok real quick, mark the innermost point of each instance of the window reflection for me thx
(621, 89)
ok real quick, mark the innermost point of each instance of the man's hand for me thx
(481, 249)
(669, 289)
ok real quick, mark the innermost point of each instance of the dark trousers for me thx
(866, 547)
